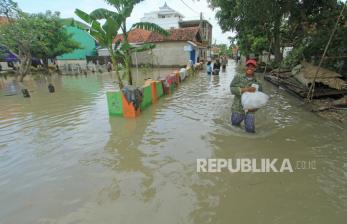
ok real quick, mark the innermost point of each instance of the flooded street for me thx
(63, 160)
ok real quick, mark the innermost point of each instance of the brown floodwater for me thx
(64, 160)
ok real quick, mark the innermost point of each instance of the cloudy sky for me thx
(67, 8)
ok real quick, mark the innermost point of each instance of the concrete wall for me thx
(82, 63)
(103, 52)
(165, 54)
(4, 66)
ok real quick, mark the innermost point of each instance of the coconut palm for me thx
(115, 21)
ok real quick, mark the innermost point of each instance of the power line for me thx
(189, 7)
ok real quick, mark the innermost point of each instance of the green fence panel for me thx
(190, 71)
(172, 87)
(160, 91)
(114, 102)
(147, 97)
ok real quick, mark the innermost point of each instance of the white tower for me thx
(166, 17)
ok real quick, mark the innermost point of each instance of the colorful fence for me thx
(119, 106)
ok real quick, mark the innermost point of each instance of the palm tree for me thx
(106, 33)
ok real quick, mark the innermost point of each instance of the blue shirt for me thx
(209, 68)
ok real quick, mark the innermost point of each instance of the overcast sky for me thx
(67, 8)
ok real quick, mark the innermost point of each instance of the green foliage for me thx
(150, 27)
(295, 56)
(259, 44)
(319, 34)
(9, 9)
(146, 70)
(116, 20)
(41, 35)
(74, 23)
(223, 49)
(253, 20)
(24, 34)
(104, 34)
(55, 40)
(271, 24)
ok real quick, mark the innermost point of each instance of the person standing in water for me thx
(239, 85)
(216, 67)
(224, 63)
(209, 68)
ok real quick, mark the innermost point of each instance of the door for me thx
(192, 56)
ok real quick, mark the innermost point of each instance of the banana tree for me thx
(130, 49)
(105, 33)
(124, 8)
(116, 20)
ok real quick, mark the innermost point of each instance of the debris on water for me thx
(51, 88)
(335, 110)
(298, 81)
(25, 93)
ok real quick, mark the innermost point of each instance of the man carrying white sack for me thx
(242, 84)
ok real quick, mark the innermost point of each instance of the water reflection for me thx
(64, 160)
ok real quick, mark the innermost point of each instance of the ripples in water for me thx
(64, 149)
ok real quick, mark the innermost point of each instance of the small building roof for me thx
(190, 23)
(135, 36)
(3, 20)
(178, 34)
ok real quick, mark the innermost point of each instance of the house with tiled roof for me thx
(137, 36)
(188, 40)
(3, 20)
(176, 49)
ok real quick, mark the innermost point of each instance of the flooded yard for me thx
(63, 159)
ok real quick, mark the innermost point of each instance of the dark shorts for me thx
(237, 118)
(215, 72)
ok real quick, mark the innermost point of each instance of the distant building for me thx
(87, 44)
(206, 34)
(166, 17)
(3, 20)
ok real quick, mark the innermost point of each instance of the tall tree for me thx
(254, 20)
(9, 9)
(125, 8)
(20, 37)
(55, 41)
(35, 34)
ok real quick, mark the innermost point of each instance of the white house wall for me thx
(165, 23)
(165, 54)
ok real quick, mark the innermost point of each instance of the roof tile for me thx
(179, 34)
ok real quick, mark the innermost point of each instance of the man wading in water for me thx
(240, 85)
